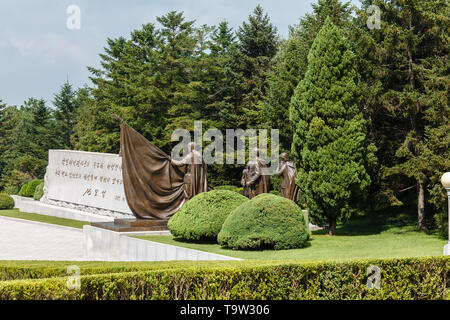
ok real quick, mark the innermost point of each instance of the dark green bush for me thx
(275, 182)
(266, 221)
(228, 188)
(29, 188)
(202, 217)
(39, 192)
(441, 220)
(6, 201)
(401, 279)
(275, 192)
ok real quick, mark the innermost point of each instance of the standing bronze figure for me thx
(257, 180)
(246, 189)
(287, 171)
(195, 178)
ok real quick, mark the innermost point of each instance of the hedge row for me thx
(412, 278)
(21, 270)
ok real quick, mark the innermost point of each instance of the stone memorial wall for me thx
(86, 181)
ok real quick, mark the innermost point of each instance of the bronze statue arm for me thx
(186, 160)
(281, 168)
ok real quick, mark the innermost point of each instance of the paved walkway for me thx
(27, 240)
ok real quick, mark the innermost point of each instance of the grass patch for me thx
(15, 213)
(355, 240)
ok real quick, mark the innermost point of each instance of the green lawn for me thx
(355, 240)
(15, 213)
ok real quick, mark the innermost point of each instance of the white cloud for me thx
(49, 47)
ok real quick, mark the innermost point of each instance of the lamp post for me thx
(446, 183)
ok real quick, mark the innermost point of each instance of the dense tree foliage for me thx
(167, 74)
(329, 139)
(291, 63)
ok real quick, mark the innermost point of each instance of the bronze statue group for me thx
(255, 179)
(156, 186)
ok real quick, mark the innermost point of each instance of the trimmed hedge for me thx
(29, 188)
(20, 270)
(39, 192)
(6, 201)
(266, 221)
(412, 278)
(201, 218)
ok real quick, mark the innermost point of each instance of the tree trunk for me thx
(420, 205)
(332, 227)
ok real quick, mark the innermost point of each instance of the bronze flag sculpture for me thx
(155, 184)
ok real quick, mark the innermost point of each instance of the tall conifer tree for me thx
(329, 143)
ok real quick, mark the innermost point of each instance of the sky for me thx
(38, 52)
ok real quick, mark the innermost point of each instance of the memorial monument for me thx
(86, 181)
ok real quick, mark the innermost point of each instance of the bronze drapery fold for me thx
(153, 186)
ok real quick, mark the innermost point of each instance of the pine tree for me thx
(222, 38)
(129, 84)
(291, 63)
(26, 136)
(330, 143)
(247, 66)
(408, 106)
(65, 113)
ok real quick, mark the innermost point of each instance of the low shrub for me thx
(6, 201)
(201, 218)
(39, 192)
(29, 188)
(266, 221)
(400, 279)
(11, 190)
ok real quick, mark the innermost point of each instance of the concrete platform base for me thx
(133, 225)
(104, 245)
(33, 206)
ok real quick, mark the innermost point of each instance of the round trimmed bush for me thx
(265, 222)
(32, 185)
(201, 218)
(29, 188)
(39, 192)
(22, 190)
(6, 201)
